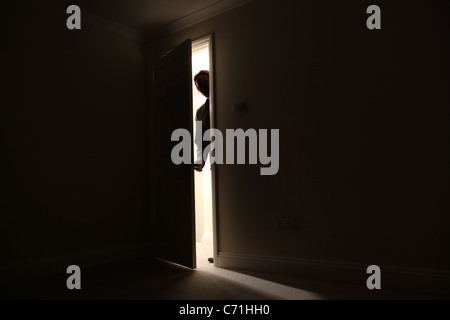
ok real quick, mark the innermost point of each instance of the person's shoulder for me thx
(202, 109)
(199, 113)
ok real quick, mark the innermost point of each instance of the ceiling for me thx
(146, 16)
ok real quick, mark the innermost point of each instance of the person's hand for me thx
(198, 165)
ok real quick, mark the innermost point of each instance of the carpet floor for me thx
(151, 279)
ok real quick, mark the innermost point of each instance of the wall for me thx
(363, 160)
(74, 144)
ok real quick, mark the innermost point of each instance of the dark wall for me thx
(362, 116)
(74, 139)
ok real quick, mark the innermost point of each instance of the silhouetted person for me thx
(201, 80)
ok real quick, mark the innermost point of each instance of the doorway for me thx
(202, 60)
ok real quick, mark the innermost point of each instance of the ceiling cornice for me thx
(195, 17)
(174, 26)
(86, 16)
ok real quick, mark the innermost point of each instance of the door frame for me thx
(212, 101)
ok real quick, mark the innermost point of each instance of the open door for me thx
(174, 228)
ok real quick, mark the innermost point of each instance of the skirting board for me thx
(57, 265)
(392, 278)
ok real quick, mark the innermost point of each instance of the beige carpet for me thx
(154, 279)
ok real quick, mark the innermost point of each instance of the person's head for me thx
(201, 80)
